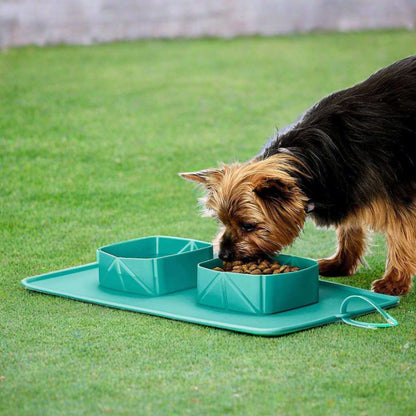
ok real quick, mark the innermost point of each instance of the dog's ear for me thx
(273, 189)
(205, 177)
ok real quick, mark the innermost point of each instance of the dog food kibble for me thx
(255, 267)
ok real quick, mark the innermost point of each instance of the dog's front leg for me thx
(351, 245)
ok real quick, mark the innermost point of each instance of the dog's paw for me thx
(391, 287)
(333, 268)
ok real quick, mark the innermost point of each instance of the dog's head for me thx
(259, 205)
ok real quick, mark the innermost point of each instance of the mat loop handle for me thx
(390, 320)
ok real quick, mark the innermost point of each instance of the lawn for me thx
(91, 141)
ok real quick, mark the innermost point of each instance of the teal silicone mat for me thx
(81, 283)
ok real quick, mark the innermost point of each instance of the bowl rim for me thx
(313, 265)
(189, 240)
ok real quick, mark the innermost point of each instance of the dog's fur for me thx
(348, 162)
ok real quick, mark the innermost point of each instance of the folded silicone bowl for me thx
(259, 294)
(151, 266)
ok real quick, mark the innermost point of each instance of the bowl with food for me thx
(260, 287)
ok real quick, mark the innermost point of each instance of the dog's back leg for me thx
(351, 245)
(401, 259)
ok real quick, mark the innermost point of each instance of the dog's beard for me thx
(257, 244)
(241, 249)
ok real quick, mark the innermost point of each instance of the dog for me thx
(349, 162)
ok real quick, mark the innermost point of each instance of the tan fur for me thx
(351, 245)
(399, 226)
(232, 199)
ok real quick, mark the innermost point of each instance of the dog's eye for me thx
(248, 227)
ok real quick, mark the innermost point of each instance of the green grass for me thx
(91, 140)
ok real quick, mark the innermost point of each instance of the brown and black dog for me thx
(348, 162)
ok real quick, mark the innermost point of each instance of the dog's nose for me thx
(226, 255)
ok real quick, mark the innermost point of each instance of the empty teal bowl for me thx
(151, 266)
(259, 294)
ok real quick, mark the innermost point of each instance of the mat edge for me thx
(29, 284)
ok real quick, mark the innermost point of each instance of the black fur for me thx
(357, 144)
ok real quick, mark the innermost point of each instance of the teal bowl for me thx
(151, 266)
(259, 294)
